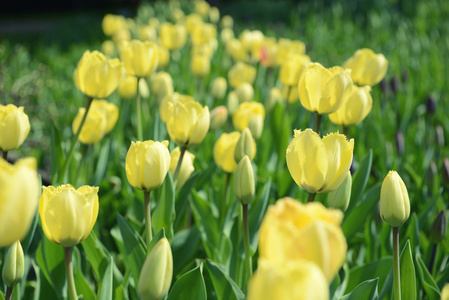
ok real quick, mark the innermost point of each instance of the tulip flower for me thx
(292, 68)
(245, 146)
(290, 94)
(245, 112)
(200, 65)
(218, 88)
(240, 73)
(202, 33)
(13, 265)
(214, 15)
(299, 280)
(224, 149)
(255, 125)
(108, 48)
(140, 58)
(445, 292)
(245, 92)
(186, 168)
(367, 67)
(161, 85)
(147, 33)
(292, 232)
(218, 117)
(234, 47)
(394, 201)
(287, 47)
(19, 186)
(232, 102)
(128, 87)
(166, 106)
(96, 76)
(14, 127)
(226, 35)
(164, 57)
(112, 24)
(274, 96)
(227, 22)
(319, 165)
(356, 104)
(172, 37)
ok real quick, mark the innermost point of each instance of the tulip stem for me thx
(63, 175)
(397, 276)
(138, 113)
(8, 292)
(246, 242)
(345, 130)
(5, 155)
(178, 166)
(311, 197)
(148, 217)
(432, 258)
(317, 123)
(224, 202)
(69, 273)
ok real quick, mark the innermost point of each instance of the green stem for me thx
(148, 217)
(63, 175)
(178, 166)
(138, 113)
(80, 165)
(246, 242)
(8, 292)
(345, 130)
(396, 273)
(224, 202)
(69, 274)
(317, 123)
(311, 197)
(5, 155)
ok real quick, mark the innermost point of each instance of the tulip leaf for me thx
(356, 218)
(379, 268)
(282, 132)
(156, 238)
(256, 213)
(29, 243)
(164, 214)
(408, 277)
(96, 256)
(225, 287)
(107, 283)
(56, 154)
(82, 286)
(160, 131)
(367, 290)
(103, 161)
(427, 281)
(189, 286)
(360, 180)
(43, 289)
(134, 251)
(184, 247)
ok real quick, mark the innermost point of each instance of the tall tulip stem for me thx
(8, 292)
(311, 197)
(148, 231)
(5, 155)
(69, 273)
(178, 166)
(317, 123)
(246, 242)
(397, 276)
(63, 174)
(138, 113)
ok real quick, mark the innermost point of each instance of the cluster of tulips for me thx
(301, 246)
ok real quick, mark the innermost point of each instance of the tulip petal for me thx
(333, 92)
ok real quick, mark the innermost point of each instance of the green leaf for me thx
(103, 161)
(156, 238)
(189, 286)
(160, 131)
(408, 277)
(256, 213)
(43, 289)
(367, 290)
(225, 287)
(164, 214)
(379, 269)
(135, 252)
(56, 153)
(107, 283)
(360, 180)
(95, 255)
(82, 286)
(427, 281)
(184, 246)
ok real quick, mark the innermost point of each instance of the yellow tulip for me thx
(247, 111)
(202, 33)
(188, 123)
(224, 149)
(19, 194)
(255, 125)
(244, 186)
(241, 73)
(292, 232)
(251, 39)
(445, 292)
(96, 76)
(177, 15)
(186, 169)
(291, 69)
(214, 15)
(234, 48)
(68, 214)
(147, 33)
(267, 53)
(147, 164)
(200, 65)
(111, 24)
(245, 92)
(246, 146)
(164, 57)
(108, 48)
(154, 22)
(202, 8)
(128, 87)
(13, 265)
(218, 117)
(321, 89)
(121, 38)
(287, 47)
(191, 21)
(166, 106)
(292, 92)
(367, 67)
(144, 90)
(161, 85)
(355, 105)
(140, 58)
(109, 110)
(227, 22)
(299, 280)
(232, 102)
(394, 201)
(319, 165)
(226, 35)
(172, 37)
(157, 272)
(219, 87)
(14, 127)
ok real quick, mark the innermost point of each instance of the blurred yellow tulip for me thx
(245, 92)
(224, 149)
(290, 93)
(202, 8)
(287, 47)
(226, 35)
(218, 117)
(214, 15)
(147, 33)
(247, 111)
(111, 24)
(186, 169)
(319, 165)
(355, 106)
(140, 58)
(445, 292)
(274, 96)
(202, 33)
(367, 67)
(191, 21)
(68, 214)
(241, 73)
(172, 37)
(161, 85)
(108, 48)
(292, 68)
(227, 22)
(14, 127)
(219, 87)
(164, 57)
(128, 87)
(234, 48)
(200, 65)
(166, 106)
(394, 201)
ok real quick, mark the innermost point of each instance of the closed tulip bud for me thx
(233, 102)
(292, 67)
(356, 104)
(140, 58)
(200, 65)
(164, 57)
(321, 90)
(234, 48)
(202, 8)
(218, 88)
(439, 135)
(394, 201)
(319, 165)
(214, 15)
(147, 33)
(108, 48)
(395, 84)
(245, 113)
(244, 186)
(400, 144)
(240, 73)
(19, 186)
(299, 280)
(367, 68)
(187, 167)
(172, 37)
(111, 24)
(431, 104)
(224, 150)
(218, 117)
(445, 171)
(245, 146)
(147, 163)
(288, 47)
(128, 87)
(226, 35)
(157, 272)
(227, 22)
(274, 96)
(202, 33)
(121, 38)
(341, 196)
(188, 123)
(245, 92)
(68, 214)
(178, 15)
(439, 228)
(14, 127)
(161, 85)
(96, 76)
(13, 265)
(144, 90)
(292, 232)
(432, 173)
(255, 125)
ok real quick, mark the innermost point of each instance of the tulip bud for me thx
(341, 196)
(161, 85)
(218, 88)
(108, 48)
(157, 272)
(244, 146)
(439, 134)
(200, 65)
(140, 58)
(245, 92)
(432, 173)
(244, 186)
(431, 104)
(445, 292)
(227, 22)
(274, 96)
(233, 102)
(256, 126)
(400, 145)
(394, 201)
(14, 127)
(439, 227)
(128, 87)
(394, 83)
(186, 169)
(218, 117)
(14, 265)
(214, 15)
(446, 171)
(144, 90)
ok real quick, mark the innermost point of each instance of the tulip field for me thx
(265, 152)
